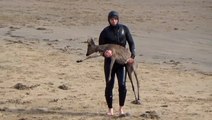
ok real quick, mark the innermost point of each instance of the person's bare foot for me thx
(110, 112)
(121, 110)
(122, 113)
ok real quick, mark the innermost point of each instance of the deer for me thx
(120, 55)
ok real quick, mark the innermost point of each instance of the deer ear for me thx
(89, 40)
(92, 41)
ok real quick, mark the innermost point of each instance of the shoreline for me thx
(189, 55)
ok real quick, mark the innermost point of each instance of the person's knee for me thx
(108, 89)
(122, 88)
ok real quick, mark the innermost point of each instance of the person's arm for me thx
(101, 38)
(130, 42)
(107, 53)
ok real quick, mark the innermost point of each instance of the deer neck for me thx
(100, 48)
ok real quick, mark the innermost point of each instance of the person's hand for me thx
(130, 61)
(108, 53)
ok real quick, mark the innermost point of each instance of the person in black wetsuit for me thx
(116, 33)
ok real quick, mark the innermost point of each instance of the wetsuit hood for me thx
(113, 14)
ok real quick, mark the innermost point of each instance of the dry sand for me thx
(41, 40)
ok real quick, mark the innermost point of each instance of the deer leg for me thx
(111, 67)
(138, 87)
(129, 71)
(89, 57)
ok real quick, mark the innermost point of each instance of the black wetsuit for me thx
(120, 35)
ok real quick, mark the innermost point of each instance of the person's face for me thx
(113, 21)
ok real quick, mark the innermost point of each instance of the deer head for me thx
(91, 47)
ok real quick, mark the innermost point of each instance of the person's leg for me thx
(109, 87)
(121, 75)
(109, 96)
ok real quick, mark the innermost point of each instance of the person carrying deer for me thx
(116, 33)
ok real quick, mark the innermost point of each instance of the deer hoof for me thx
(137, 102)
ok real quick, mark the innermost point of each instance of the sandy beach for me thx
(41, 40)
